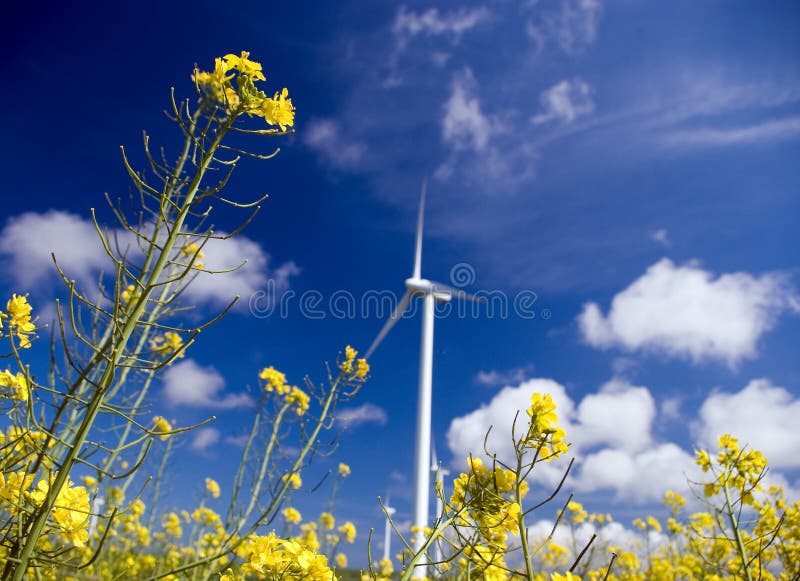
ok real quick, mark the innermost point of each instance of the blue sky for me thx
(632, 165)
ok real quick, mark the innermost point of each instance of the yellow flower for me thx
(362, 368)
(161, 425)
(300, 398)
(341, 560)
(18, 311)
(244, 65)
(192, 250)
(291, 515)
(278, 110)
(348, 529)
(294, 480)
(168, 344)
(213, 487)
(327, 521)
(18, 384)
(344, 470)
(275, 380)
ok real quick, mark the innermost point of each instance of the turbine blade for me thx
(420, 219)
(434, 460)
(456, 292)
(395, 316)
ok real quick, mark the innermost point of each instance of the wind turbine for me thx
(438, 476)
(387, 532)
(431, 293)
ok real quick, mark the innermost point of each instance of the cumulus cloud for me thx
(610, 431)
(188, 384)
(366, 413)
(569, 24)
(762, 415)
(684, 311)
(326, 138)
(464, 125)
(638, 476)
(27, 241)
(565, 102)
(204, 438)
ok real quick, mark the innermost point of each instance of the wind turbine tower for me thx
(430, 293)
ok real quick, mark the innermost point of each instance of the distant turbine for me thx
(438, 477)
(387, 532)
(431, 293)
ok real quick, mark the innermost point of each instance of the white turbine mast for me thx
(431, 293)
(439, 472)
(387, 532)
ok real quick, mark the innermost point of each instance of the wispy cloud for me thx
(565, 101)
(572, 25)
(702, 137)
(366, 413)
(464, 125)
(188, 384)
(204, 438)
(495, 378)
(334, 146)
(431, 23)
(686, 311)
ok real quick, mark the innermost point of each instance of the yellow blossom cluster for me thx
(212, 486)
(270, 557)
(543, 432)
(344, 470)
(217, 86)
(169, 344)
(17, 384)
(735, 468)
(161, 425)
(71, 512)
(352, 367)
(192, 251)
(275, 381)
(18, 316)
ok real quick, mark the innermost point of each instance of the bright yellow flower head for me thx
(292, 515)
(18, 312)
(278, 110)
(294, 480)
(213, 487)
(20, 391)
(244, 65)
(161, 425)
(348, 529)
(344, 470)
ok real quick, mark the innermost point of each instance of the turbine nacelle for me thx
(423, 286)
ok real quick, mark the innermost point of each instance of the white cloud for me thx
(661, 236)
(464, 125)
(188, 384)
(204, 438)
(765, 132)
(565, 102)
(408, 24)
(495, 378)
(684, 311)
(610, 431)
(762, 415)
(366, 413)
(636, 476)
(571, 24)
(28, 240)
(620, 415)
(326, 137)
